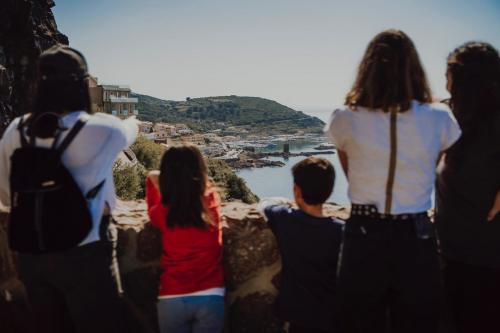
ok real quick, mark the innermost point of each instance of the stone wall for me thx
(251, 262)
(27, 27)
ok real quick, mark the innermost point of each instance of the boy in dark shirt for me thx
(309, 243)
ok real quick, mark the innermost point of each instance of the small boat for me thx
(325, 146)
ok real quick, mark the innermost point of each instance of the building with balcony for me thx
(117, 101)
(113, 99)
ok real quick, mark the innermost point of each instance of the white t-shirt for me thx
(89, 158)
(364, 135)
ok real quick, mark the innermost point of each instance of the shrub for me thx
(238, 189)
(232, 186)
(129, 181)
(148, 153)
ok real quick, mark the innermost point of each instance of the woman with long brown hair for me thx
(185, 206)
(389, 138)
(468, 190)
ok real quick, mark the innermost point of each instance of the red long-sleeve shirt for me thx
(192, 257)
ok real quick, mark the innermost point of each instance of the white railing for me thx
(123, 99)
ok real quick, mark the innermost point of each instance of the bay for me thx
(278, 181)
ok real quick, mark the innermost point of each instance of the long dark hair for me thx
(474, 70)
(390, 75)
(474, 73)
(183, 182)
(58, 91)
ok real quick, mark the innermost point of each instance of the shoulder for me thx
(343, 112)
(434, 110)
(14, 123)
(339, 125)
(11, 130)
(277, 211)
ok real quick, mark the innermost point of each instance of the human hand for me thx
(154, 176)
(495, 209)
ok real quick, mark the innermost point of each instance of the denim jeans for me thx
(191, 314)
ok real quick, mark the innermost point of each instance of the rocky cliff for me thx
(27, 27)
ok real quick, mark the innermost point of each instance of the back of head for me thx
(315, 177)
(62, 86)
(390, 75)
(474, 82)
(474, 73)
(183, 181)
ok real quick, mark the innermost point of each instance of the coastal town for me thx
(238, 150)
(232, 144)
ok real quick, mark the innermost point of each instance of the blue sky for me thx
(301, 53)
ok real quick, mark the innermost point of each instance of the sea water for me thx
(278, 181)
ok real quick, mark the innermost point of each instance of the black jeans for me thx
(388, 276)
(473, 295)
(75, 291)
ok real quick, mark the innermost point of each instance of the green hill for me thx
(253, 115)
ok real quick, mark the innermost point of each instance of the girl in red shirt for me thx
(185, 206)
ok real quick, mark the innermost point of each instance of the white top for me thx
(89, 158)
(422, 133)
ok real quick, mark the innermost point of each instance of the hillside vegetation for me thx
(252, 115)
(130, 179)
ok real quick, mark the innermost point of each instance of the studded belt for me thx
(371, 211)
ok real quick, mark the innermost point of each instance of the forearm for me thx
(495, 209)
(131, 130)
(153, 196)
(344, 161)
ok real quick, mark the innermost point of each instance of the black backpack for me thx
(49, 212)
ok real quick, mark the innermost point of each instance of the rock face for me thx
(27, 27)
(252, 266)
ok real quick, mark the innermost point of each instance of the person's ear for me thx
(297, 192)
(449, 81)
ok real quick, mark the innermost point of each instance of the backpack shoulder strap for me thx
(71, 135)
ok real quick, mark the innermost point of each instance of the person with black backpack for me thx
(56, 177)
